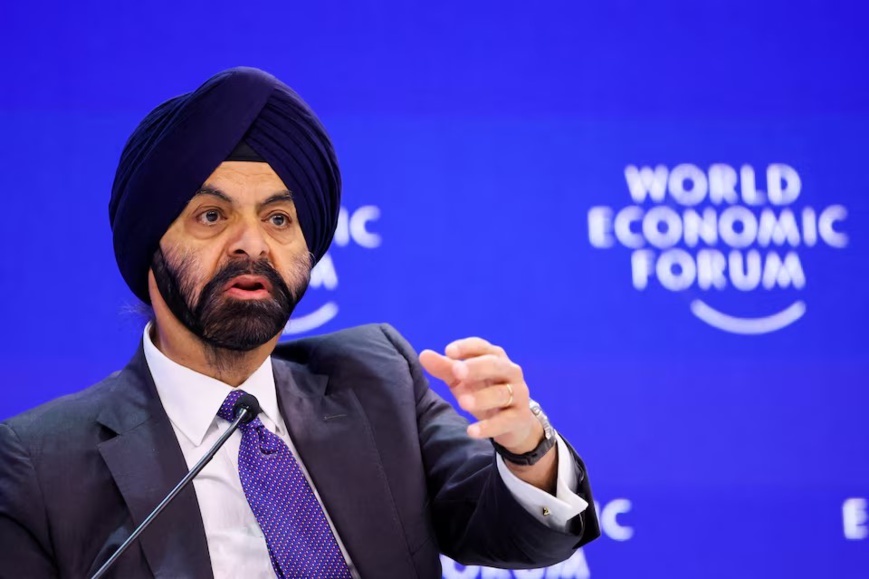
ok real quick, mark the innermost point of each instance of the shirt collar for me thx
(191, 399)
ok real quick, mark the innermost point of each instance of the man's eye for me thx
(210, 216)
(279, 220)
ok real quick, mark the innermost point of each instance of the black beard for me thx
(223, 322)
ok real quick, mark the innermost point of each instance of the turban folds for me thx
(180, 143)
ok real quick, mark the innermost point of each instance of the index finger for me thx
(471, 348)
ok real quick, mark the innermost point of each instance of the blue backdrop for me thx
(658, 209)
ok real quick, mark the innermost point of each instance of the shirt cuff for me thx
(553, 511)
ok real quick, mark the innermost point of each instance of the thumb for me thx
(438, 366)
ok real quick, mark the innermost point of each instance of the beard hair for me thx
(228, 327)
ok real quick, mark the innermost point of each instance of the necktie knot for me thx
(225, 411)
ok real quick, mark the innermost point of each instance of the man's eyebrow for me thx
(208, 190)
(281, 197)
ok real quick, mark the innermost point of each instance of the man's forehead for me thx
(231, 169)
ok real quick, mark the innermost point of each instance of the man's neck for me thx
(229, 366)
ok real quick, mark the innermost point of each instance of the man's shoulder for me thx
(360, 345)
(65, 414)
(365, 339)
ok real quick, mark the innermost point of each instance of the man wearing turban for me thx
(223, 201)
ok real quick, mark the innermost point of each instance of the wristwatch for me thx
(532, 456)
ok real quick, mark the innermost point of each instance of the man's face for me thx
(234, 264)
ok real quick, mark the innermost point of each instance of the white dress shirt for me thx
(235, 542)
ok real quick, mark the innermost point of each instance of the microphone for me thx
(245, 409)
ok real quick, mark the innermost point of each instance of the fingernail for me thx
(466, 401)
(452, 350)
(474, 431)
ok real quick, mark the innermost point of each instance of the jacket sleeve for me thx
(476, 519)
(24, 537)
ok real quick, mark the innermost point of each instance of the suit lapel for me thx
(146, 463)
(334, 440)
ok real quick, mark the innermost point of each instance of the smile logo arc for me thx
(748, 326)
(311, 321)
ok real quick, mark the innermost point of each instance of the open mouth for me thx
(249, 286)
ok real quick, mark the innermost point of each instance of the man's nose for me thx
(250, 240)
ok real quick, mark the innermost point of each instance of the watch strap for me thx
(531, 457)
(528, 458)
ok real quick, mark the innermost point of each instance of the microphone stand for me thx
(246, 414)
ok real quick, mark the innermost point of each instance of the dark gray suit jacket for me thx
(389, 457)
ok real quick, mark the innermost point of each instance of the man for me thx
(223, 201)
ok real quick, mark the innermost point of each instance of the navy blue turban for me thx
(181, 142)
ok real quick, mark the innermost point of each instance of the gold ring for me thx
(510, 391)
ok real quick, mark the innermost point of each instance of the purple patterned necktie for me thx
(300, 542)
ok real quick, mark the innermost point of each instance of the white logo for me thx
(855, 516)
(352, 228)
(761, 232)
(576, 567)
